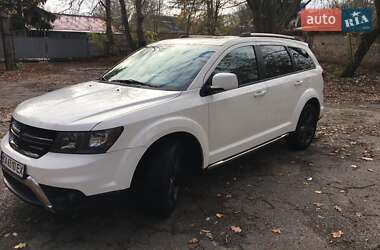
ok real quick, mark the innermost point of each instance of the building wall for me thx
(335, 47)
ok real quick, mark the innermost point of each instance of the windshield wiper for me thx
(135, 83)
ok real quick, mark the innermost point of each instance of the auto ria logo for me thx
(346, 20)
(357, 20)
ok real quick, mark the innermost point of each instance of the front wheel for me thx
(306, 128)
(159, 187)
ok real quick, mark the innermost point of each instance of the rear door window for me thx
(302, 60)
(242, 62)
(276, 60)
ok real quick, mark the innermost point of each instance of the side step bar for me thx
(217, 164)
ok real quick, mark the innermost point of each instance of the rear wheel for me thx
(306, 127)
(158, 187)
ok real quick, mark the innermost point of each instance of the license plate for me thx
(14, 166)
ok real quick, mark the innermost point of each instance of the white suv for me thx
(169, 110)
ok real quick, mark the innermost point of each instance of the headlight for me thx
(92, 142)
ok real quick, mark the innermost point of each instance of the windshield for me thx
(167, 67)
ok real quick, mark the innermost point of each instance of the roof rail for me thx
(268, 35)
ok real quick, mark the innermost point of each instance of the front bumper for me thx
(28, 190)
(60, 179)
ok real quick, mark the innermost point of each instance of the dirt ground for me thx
(327, 197)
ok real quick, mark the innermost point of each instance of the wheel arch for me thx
(194, 161)
(310, 95)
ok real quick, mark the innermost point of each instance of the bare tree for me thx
(140, 23)
(366, 41)
(188, 11)
(110, 43)
(273, 15)
(213, 11)
(124, 17)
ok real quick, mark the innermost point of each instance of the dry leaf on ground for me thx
(317, 204)
(276, 231)
(337, 208)
(193, 241)
(219, 215)
(236, 229)
(367, 159)
(20, 246)
(337, 234)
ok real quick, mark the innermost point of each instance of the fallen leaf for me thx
(309, 179)
(276, 231)
(208, 218)
(193, 241)
(358, 214)
(236, 229)
(219, 215)
(317, 204)
(20, 246)
(318, 191)
(354, 166)
(207, 233)
(15, 234)
(337, 208)
(337, 234)
(371, 170)
(367, 158)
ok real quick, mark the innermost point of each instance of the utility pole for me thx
(7, 40)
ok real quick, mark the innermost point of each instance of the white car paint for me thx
(224, 124)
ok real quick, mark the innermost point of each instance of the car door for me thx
(284, 88)
(235, 116)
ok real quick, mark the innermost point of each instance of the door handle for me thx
(298, 83)
(260, 93)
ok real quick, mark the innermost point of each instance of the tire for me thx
(306, 128)
(158, 190)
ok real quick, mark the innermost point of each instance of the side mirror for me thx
(225, 81)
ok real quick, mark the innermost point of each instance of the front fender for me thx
(154, 131)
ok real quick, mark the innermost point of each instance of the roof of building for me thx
(79, 23)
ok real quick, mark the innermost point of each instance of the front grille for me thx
(30, 141)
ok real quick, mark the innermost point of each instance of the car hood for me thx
(81, 107)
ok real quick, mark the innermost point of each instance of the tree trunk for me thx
(210, 17)
(7, 40)
(273, 16)
(124, 17)
(109, 32)
(366, 42)
(140, 24)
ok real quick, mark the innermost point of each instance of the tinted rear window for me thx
(276, 60)
(302, 59)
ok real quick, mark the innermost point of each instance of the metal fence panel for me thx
(29, 47)
(67, 48)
